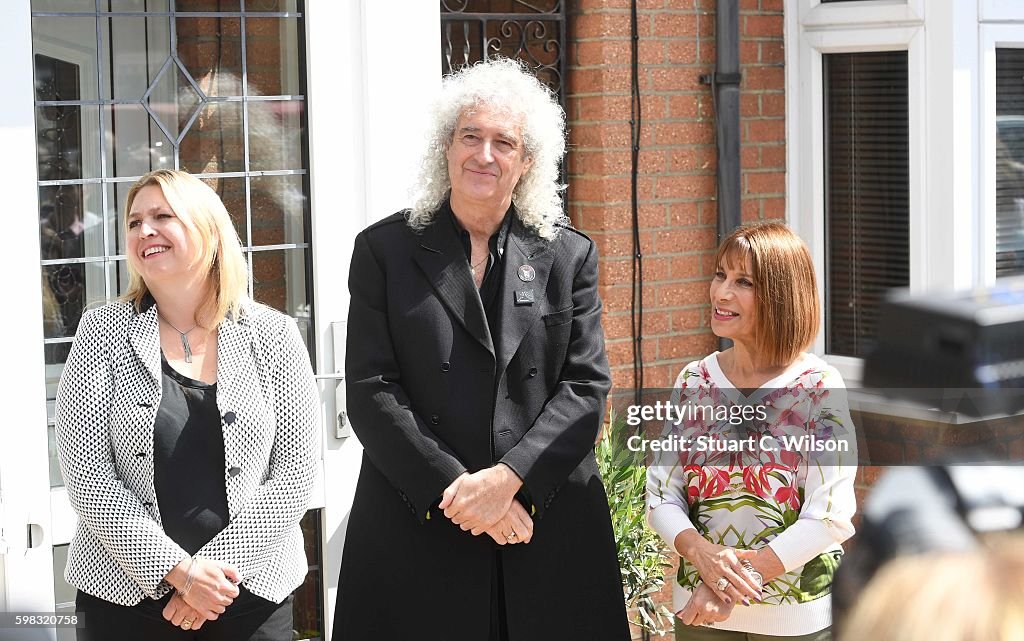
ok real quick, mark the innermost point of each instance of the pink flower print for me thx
(755, 479)
(711, 482)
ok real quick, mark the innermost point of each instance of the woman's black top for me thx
(188, 461)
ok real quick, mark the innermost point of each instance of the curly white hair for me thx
(507, 86)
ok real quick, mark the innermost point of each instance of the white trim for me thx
(991, 37)
(26, 575)
(869, 13)
(367, 102)
(1000, 10)
(805, 121)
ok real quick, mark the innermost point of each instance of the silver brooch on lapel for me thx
(527, 273)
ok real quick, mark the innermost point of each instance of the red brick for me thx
(672, 79)
(602, 52)
(683, 106)
(750, 52)
(750, 105)
(766, 130)
(692, 186)
(766, 183)
(762, 26)
(685, 346)
(764, 77)
(749, 158)
(773, 52)
(652, 215)
(685, 240)
(608, 163)
(612, 272)
(656, 269)
(613, 243)
(616, 325)
(681, 294)
(681, 52)
(750, 210)
(600, 136)
(774, 208)
(683, 214)
(689, 320)
(708, 214)
(683, 133)
(773, 156)
(601, 25)
(773, 104)
(619, 351)
(675, 25)
(692, 158)
(686, 267)
(600, 80)
(622, 377)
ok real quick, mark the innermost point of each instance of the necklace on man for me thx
(184, 339)
(472, 267)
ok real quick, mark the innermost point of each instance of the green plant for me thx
(641, 552)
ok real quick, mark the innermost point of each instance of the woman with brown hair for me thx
(755, 512)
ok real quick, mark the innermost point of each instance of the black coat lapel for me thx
(524, 248)
(444, 263)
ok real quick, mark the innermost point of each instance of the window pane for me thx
(211, 50)
(278, 210)
(1009, 162)
(867, 192)
(307, 611)
(272, 58)
(279, 280)
(276, 134)
(214, 143)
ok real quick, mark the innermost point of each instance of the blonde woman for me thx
(916, 598)
(186, 422)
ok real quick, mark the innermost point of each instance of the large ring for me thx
(708, 624)
(186, 624)
(512, 536)
(722, 584)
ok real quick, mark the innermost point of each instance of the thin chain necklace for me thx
(184, 339)
(472, 267)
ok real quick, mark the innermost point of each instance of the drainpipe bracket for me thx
(718, 78)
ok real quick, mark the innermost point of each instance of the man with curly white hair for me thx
(476, 381)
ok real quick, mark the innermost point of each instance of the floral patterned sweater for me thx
(761, 484)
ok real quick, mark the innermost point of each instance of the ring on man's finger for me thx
(708, 624)
(722, 584)
(186, 624)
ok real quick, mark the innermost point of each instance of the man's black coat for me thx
(432, 394)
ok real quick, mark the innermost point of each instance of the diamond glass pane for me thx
(172, 100)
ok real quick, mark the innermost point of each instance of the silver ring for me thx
(722, 584)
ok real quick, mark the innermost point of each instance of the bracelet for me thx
(190, 579)
(754, 574)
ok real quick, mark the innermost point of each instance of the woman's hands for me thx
(715, 563)
(213, 588)
(704, 608)
(177, 612)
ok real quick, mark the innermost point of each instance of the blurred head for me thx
(501, 99)
(178, 230)
(764, 292)
(969, 596)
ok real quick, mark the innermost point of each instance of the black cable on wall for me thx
(637, 303)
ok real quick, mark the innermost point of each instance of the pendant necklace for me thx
(472, 267)
(184, 339)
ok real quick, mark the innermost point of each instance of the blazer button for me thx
(147, 504)
(234, 471)
(445, 366)
(533, 372)
(435, 419)
(140, 454)
(229, 418)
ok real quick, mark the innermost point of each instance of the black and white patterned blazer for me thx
(107, 401)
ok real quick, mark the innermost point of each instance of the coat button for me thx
(229, 418)
(147, 504)
(445, 366)
(140, 454)
(533, 372)
(435, 419)
(234, 471)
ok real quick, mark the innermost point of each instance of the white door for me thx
(111, 95)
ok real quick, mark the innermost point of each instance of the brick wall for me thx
(677, 163)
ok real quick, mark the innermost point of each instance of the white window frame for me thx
(812, 31)
(991, 37)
